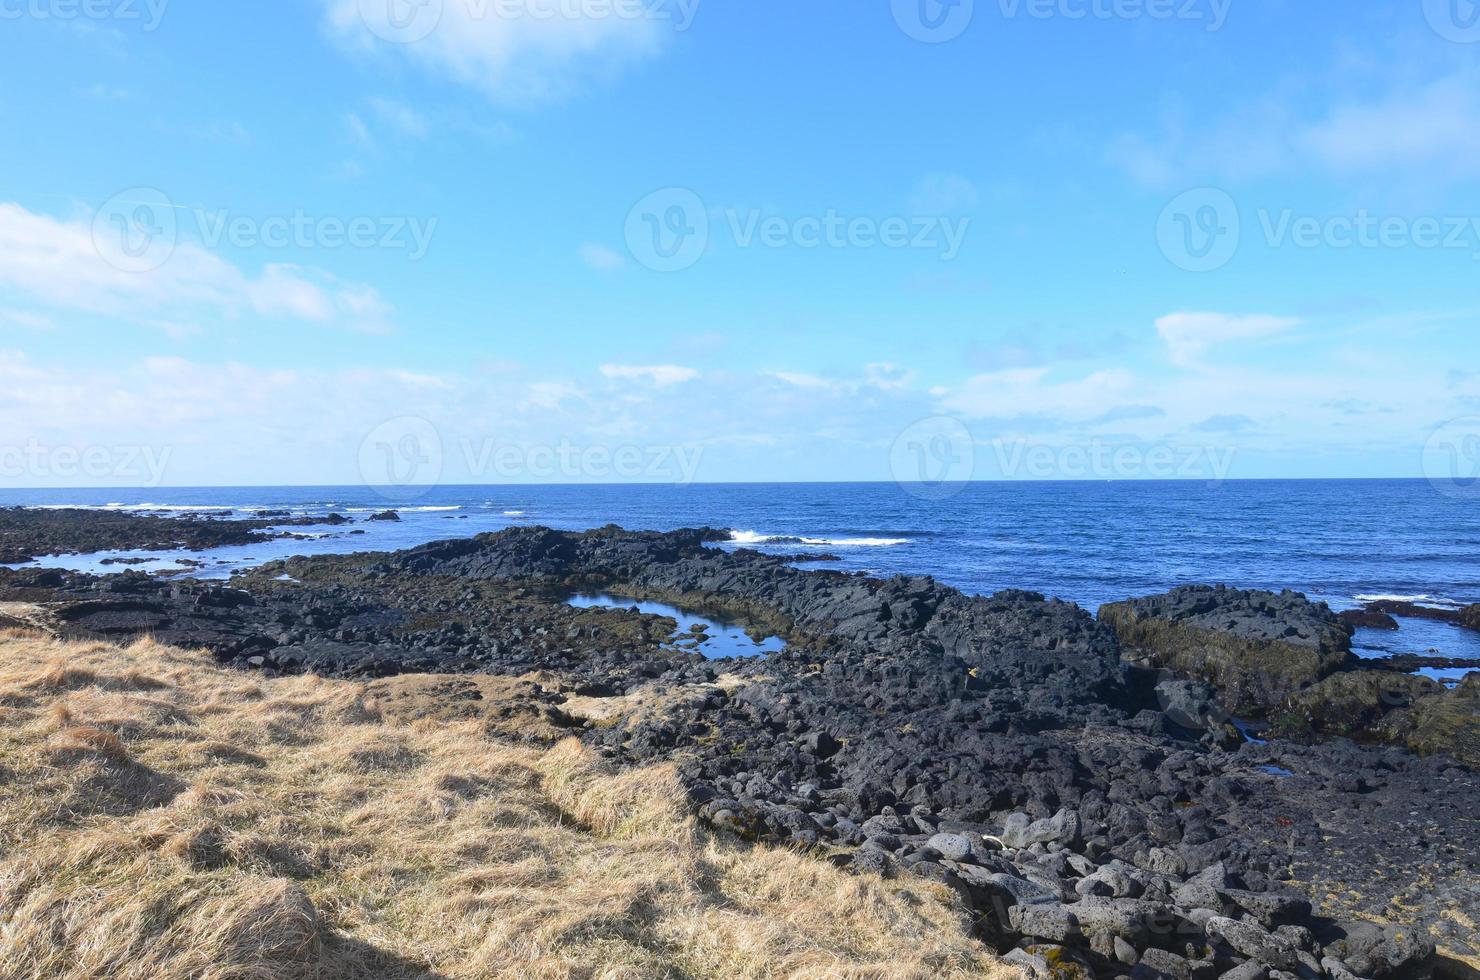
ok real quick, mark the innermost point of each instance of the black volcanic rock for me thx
(1468, 617)
(1256, 647)
(1381, 706)
(1369, 618)
(28, 533)
(998, 745)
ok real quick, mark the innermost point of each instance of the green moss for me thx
(1384, 707)
(1256, 676)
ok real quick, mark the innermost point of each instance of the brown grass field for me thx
(163, 817)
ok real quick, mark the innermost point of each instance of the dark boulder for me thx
(1369, 618)
(1381, 706)
(1257, 648)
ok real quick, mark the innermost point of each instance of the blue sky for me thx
(1246, 232)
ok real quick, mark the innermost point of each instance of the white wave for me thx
(1418, 600)
(404, 510)
(754, 537)
(751, 537)
(121, 506)
(513, 513)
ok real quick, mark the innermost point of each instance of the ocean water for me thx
(1340, 541)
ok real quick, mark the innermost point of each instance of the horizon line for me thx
(1212, 481)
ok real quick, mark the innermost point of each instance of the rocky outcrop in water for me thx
(1368, 619)
(1468, 617)
(26, 534)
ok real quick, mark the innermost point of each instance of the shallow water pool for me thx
(721, 639)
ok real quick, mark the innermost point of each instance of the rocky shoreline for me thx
(1080, 781)
(28, 534)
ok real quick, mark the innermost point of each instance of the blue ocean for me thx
(1342, 541)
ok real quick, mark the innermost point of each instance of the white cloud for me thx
(239, 423)
(513, 50)
(1030, 392)
(601, 258)
(1416, 134)
(888, 376)
(22, 318)
(61, 264)
(661, 375)
(882, 376)
(359, 133)
(1433, 126)
(800, 379)
(1190, 336)
(401, 117)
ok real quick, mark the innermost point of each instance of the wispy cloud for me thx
(1022, 392)
(661, 375)
(64, 265)
(358, 133)
(401, 117)
(1411, 132)
(1224, 424)
(1432, 128)
(1189, 337)
(22, 318)
(515, 52)
(601, 258)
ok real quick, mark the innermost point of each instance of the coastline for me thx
(901, 714)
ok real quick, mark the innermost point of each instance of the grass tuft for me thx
(163, 817)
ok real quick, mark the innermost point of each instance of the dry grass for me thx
(162, 817)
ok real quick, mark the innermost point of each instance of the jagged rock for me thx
(1256, 942)
(1206, 890)
(1109, 882)
(1256, 648)
(1156, 963)
(1048, 962)
(1055, 923)
(1381, 706)
(1021, 891)
(952, 847)
(1369, 618)
(1133, 920)
(1270, 908)
(1062, 828)
(1379, 951)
